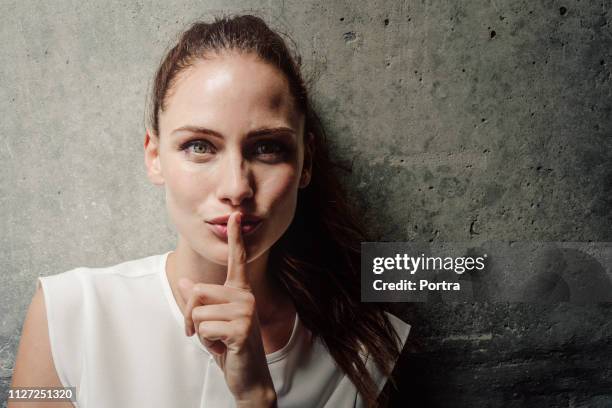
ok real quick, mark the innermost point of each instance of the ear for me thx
(309, 149)
(151, 156)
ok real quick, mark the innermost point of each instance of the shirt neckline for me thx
(178, 315)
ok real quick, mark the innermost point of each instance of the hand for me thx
(225, 318)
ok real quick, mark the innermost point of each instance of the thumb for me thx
(185, 285)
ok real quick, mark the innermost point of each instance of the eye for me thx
(270, 148)
(199, 147)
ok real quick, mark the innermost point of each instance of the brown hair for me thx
(317, 260)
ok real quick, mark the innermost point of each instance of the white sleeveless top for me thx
(117, 335)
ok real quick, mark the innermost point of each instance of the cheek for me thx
(185, 187)
(279, 190)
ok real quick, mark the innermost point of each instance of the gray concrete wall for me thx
(465, 121)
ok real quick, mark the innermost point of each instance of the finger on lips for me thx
(237, 256)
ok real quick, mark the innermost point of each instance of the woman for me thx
(264, 280)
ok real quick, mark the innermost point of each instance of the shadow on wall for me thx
(557, 275)
(567, 275)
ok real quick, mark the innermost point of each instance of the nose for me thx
(235, 180)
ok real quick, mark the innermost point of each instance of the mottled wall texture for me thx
(458, 121)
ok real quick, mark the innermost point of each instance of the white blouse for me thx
(117, 335)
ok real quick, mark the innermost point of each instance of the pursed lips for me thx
(246, 219)
(219, 226)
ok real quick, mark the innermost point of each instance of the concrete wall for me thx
(466, 121)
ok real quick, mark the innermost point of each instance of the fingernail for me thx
(239, 218)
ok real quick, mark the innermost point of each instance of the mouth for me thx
(247, 228)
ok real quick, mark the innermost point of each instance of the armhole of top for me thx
(51, 331)
(402, 329)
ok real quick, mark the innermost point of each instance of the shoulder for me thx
(72, 280)
(66, 293)
(129, 268)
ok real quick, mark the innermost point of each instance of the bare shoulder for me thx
(34, 365)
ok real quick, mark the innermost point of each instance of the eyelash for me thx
(280, 148)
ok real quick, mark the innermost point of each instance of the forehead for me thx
(232, 92)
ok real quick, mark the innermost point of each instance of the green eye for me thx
(199, 146)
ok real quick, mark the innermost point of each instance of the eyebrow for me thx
(253, 133)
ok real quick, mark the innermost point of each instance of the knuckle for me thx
(242, 330)
(249, 299)
(246, 311)
(198, 313)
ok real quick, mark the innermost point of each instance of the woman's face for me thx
(230, 139)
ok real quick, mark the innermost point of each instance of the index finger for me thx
(237, 256)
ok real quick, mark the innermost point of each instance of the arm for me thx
(34, 365)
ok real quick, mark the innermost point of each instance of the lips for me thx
(246, 218)
(248, 225)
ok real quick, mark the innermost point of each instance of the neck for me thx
(184, 262)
